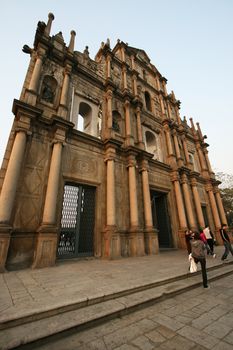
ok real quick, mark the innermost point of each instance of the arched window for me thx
(148, 101)
(151, 144)
(84, 118)
(48, 89)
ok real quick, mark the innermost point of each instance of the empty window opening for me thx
(151, 144)
(84, 118)
(148, 101)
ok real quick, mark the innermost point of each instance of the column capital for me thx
(208, 187)
(68, 69)
(110, 154)
(126, 103)
(175, 176)
(131, 161)
(184, 178)
(144, 166)
(109, 94)
(193, 182)
(174, 132)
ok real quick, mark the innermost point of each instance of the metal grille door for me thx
(77, 223)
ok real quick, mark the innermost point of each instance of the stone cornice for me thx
(31, 111)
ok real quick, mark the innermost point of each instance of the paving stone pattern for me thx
(198, 319)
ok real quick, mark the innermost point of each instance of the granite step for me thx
(26, 332)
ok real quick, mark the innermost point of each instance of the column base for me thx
(5, 235)
(62, 111)
(46, 247)
(129, 141)
(181, 240)
(151, 241)
(111, 243)
(136, 242)
(30, 97)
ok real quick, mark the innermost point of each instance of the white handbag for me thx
(193, 265)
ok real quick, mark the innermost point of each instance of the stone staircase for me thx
(30, 330)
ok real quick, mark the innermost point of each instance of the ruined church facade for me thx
(99, 162)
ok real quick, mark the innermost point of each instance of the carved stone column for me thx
(214, 209)
(135, 88)
(109, 108)
(188, 202)
(179, 201)
(207, 160)
(62, 110)
(139, 128)
(196, 197)
(8, 193)
(128, 131)
(171, 155)
(112, 246)
(32, 91)
(186, 153)
(151, 238)
(46, 243)
(168, 140)
(177, 149)
(220, 206)
(108, 64)
(162, 106)
(201, 157)
(124, 77)
(136, 239)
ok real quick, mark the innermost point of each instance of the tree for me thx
(226, 190)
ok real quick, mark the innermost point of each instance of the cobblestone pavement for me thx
(198, 319)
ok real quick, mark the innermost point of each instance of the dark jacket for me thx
(224, 235)
(198, 249)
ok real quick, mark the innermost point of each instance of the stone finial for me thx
(108, 42)
(71, 44)
(49, 23)
(192, 124)
(199, 130)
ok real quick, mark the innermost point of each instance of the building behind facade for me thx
(99, 162)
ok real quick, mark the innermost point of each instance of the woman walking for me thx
(198, 253)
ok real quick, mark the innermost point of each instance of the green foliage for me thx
(226, 190)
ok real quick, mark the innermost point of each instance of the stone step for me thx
(29, 334)
(40, 312)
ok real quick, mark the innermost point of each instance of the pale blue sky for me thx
(190, 43)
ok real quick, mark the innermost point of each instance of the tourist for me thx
(210, 240)
(188, 238)
(226, 242)
(204, 240)
(198, 253)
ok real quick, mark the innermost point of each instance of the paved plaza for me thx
(198, 319)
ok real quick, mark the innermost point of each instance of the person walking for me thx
(204, 240)
(226, 241)
(210, 240)
(188, 238)
(198, 253)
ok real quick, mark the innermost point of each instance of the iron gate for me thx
(77, 222)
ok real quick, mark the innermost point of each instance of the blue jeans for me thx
(228, 248)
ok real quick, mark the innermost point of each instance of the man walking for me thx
(226, 242)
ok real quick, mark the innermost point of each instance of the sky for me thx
(189, 42)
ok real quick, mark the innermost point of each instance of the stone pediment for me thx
(141, 55)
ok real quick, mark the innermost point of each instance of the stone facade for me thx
(98, 160)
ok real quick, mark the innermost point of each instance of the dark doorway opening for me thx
(205, 216)
(77, 222)
(161, 219)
